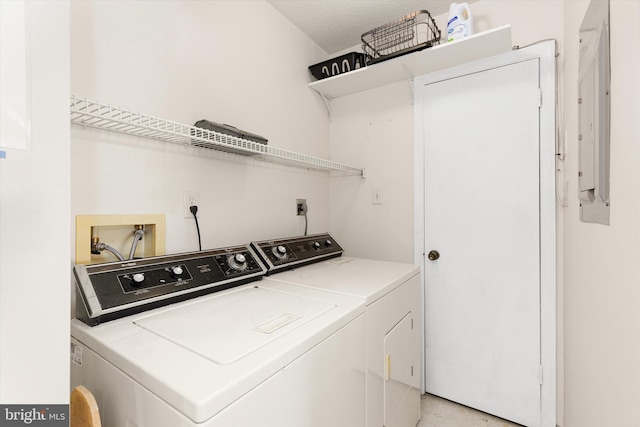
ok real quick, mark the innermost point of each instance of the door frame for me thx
(545, 52)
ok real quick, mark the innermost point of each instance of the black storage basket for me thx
(410, 33)
(342, 64)
(238, 138)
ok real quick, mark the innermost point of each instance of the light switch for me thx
(376, 196)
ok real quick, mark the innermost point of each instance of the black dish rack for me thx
(410, 33)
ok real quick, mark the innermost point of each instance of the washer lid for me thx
(226, 329)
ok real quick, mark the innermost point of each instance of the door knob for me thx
(433, 255)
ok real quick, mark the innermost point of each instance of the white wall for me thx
(231, 62)
(374, 130)
(602, 263)
(34, 230)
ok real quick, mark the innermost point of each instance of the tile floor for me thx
(438, 412)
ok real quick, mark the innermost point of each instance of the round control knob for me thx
(315, 245)
(280, 251)
(237, 262)
(138, 278)
(328, 242)
(176, 271)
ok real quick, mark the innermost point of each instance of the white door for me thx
(482, 215)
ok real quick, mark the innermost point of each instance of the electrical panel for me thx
(594, 114)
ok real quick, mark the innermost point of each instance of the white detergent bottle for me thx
(460, 24)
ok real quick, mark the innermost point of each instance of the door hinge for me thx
(540, 374)
(540, 98)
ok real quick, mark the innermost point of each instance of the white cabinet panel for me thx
(400, 364)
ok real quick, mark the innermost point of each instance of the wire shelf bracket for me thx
(85, 112)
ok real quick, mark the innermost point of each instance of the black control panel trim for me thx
(299, 251)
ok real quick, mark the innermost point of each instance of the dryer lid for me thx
(356, 277)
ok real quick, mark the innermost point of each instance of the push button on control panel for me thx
(326, 244)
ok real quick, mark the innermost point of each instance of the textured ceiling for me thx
(336, 25)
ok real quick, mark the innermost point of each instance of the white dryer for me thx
(159, 347)
(391, 293)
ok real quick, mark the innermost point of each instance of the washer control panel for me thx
(145, 279)
(117, 289)
(288, 253)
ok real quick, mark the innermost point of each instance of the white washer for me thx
(260, 353)
(391, 293)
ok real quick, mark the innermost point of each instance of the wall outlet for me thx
(190, 198)
(301, 206)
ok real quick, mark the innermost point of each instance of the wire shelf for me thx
(85, 112)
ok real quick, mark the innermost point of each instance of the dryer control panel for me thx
(112, 290)
(287, 253)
